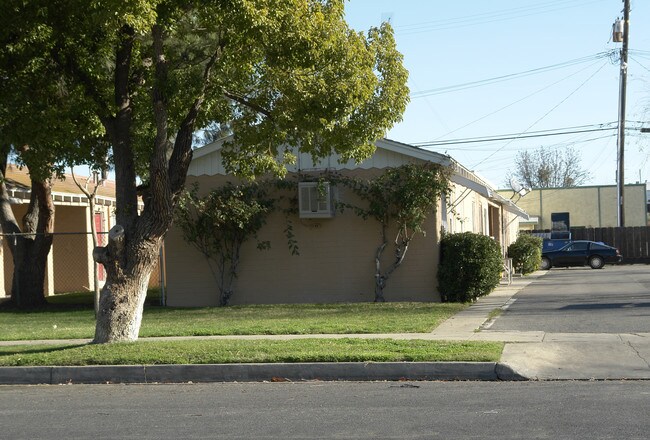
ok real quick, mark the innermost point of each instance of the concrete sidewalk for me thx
(529, 355)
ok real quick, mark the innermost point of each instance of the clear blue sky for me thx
(451, 43)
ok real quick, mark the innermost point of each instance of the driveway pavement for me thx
(548, 355)
(532, 352)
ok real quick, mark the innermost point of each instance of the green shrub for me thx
(526, 253)
(470, 266)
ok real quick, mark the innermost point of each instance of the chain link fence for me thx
(70, 266)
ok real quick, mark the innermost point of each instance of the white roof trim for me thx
(386, 144)
(468, 183)
(461, 176)
(418, 153)
(210, 148)
(22, 197)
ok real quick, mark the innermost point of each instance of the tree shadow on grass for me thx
(9, 306)
(7, 351)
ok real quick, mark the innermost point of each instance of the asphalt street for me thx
(371, 410)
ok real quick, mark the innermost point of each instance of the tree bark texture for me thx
(30, 260)
(128, 266)
(30, 246)
(380, 279)
(401, 246)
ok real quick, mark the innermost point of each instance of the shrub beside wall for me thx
(526, 253)
(470, 266)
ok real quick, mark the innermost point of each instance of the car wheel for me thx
(545, 264)
(596, 262)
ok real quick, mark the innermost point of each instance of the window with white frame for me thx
(315, 200)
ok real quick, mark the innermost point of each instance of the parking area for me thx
(615, 299)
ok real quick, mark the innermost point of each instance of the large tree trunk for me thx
(31, 246)
(30, 261)
(134, 243)
(122, 298)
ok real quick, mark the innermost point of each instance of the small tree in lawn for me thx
(90, 191)
(219, 223)
(401, 199)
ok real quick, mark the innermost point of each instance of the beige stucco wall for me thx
(510, 228)
(71, 268)
(590, 206)
(467, 211)
(336, 263)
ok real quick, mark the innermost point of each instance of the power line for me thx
(639, 63)
(641, 53)
(518, 101)
(552, 146)
(508, 137)
(547, 113)
(489, 17)
(508, 162)
(597, 162)
(562, 129)
(497, 79)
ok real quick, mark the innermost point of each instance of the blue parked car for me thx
(554, 244)
(581, 253)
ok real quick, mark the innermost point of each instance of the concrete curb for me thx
(280, 372)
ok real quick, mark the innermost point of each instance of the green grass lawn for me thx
(71, 316)
(69, 323)
(230, 351)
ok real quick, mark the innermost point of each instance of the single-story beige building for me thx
(588, 206)
(336, 260)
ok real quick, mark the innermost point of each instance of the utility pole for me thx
(620, 181)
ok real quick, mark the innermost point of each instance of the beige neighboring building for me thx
(588, 206)
(336, 261)
(70, 263)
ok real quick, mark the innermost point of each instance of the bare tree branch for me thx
(545, 168)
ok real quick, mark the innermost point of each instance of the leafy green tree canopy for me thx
(282, 72)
